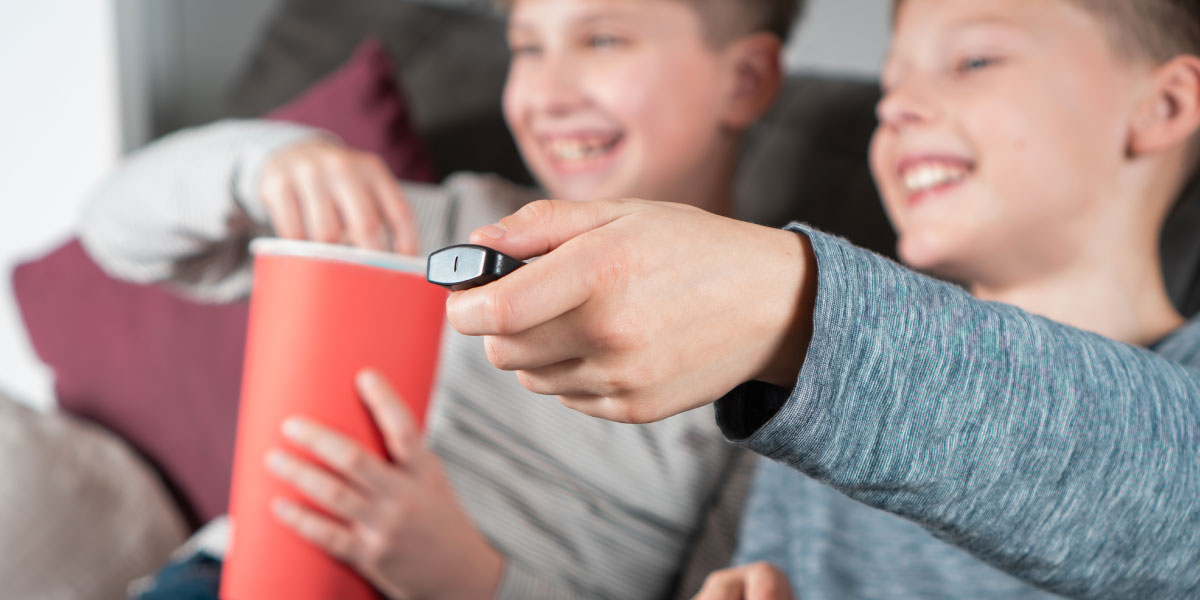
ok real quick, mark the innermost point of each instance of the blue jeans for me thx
(198, 577)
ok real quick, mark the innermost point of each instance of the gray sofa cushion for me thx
(81, 515)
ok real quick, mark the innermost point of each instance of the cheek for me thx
(670, 112)
(880, 157)
(513, 102)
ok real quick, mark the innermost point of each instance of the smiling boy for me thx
(1032, 151)
(931, 444)
(606, 98)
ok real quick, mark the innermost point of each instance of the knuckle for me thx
(306, 170)
(373, 163)
(499, 309)
(621, 412)
(613, 333)
(342, 546)
(492, 346)
(369, 229)
(354, 459)
(328, 234)
(717, 579)
(339, 496)
(371, 553)
(534, 384)
(538, 211)
(635, 411)
(394, 518)
(272, 186)
(338, 160)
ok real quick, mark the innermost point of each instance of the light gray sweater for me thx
(1033, 451)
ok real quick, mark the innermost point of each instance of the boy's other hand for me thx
(322, 191)
(641, 310)
(759, 581)
(398, 523)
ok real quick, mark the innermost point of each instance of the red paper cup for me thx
(318, 315)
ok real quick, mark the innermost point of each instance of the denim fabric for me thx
(197, 577)
(1059, 457)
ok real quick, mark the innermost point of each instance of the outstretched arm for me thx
(1065, 458)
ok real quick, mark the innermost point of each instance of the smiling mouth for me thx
(922, 177)
(577, 151)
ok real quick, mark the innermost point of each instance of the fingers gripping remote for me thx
(466, 266)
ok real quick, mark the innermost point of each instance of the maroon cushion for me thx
(164, 372)
(362, 104)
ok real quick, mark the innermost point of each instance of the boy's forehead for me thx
(920, 22)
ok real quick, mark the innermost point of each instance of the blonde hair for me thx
(728, 20)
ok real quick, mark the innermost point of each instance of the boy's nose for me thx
(557, 89)
(902, 106)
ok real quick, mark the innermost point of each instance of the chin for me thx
(927, 253)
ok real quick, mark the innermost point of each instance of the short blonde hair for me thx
(728, 20)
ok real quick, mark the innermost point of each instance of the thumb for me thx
(541, 226)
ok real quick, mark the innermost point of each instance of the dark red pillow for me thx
(362, 104)
(164, 372)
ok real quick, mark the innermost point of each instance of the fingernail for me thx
(367, 378)
(293, 428)
(494, 231)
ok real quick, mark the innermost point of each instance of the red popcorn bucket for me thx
(319, 314)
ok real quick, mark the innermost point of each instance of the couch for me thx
(157, 376)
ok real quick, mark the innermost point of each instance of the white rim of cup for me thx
(339, 253)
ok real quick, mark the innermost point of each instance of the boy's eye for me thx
(603, 40)
(525, 50)
(975, 63)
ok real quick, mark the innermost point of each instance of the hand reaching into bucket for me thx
(320, 190)
(398, 522)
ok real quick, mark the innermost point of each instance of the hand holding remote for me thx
(639, 310)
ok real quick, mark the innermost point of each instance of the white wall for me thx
(192, 52)
(60, 134)
(842, 36)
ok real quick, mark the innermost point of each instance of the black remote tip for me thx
(466, 266)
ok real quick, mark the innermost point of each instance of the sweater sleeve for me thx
(1064, 458)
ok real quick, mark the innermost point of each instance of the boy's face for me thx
(1003, 135)
(613, 98)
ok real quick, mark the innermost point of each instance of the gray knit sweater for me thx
(1032, 451)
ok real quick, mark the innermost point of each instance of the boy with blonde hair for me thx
(606, 98)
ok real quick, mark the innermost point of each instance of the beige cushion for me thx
(80, 514)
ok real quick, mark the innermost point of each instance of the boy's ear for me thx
(755, 76)
(1170, 114)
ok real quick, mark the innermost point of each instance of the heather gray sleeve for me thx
(1062, 457)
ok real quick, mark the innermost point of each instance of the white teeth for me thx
(579, 149)
(931, 175)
